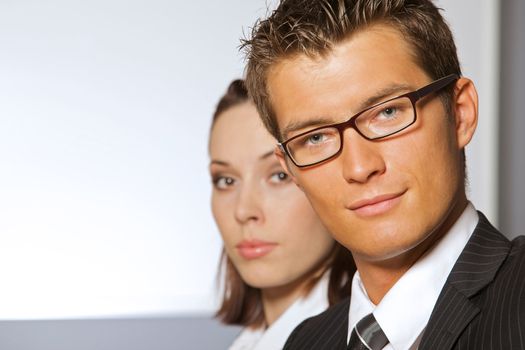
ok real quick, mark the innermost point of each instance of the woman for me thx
(282, 265)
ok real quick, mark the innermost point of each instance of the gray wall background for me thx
(512, 119)
(175, 333)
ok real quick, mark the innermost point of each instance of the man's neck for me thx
(379, 276)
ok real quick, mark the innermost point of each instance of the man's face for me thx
(380, 198)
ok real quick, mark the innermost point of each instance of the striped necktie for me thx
(367, 335)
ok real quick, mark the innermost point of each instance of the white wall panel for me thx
(104, 115)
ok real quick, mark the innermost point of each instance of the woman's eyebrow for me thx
(266, 155)
(219, 162)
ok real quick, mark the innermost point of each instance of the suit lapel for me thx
(475, 269)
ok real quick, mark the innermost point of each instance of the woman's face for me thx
(270, 231)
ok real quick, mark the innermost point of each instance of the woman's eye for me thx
(279, 176)
(223, 182)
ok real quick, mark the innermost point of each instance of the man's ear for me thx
(465, 110)
(284, 163)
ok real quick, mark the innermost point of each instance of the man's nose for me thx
(361, 158)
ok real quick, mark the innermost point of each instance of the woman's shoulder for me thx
(247, 338)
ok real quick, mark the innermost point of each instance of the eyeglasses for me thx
(376, 122)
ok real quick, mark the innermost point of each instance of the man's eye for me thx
(389, 112)
(316, 138)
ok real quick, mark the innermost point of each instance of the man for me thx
(367, 100)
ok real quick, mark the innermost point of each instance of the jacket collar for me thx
(475, 269)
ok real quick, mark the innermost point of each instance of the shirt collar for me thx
(404, 311)
(274, 337)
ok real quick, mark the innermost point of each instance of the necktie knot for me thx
(367, 335)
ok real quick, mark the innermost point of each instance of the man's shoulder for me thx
(328, 330)
(518, 246)
(514, 265)
(501, 305)
(507, 289)
(488, 246)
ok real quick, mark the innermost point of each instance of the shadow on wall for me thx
(184, 333)
(512, 123)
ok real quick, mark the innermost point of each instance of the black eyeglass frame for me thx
(414, 96)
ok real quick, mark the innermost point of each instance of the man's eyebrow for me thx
(303, 124)
(388, 91)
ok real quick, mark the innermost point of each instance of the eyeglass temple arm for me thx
(436, 86)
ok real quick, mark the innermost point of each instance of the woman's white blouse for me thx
(274, 337)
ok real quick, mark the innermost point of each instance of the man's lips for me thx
(376, 205)
(253, 249)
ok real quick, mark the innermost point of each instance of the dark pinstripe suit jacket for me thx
(481, 306)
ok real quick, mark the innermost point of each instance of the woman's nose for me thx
(248, 206)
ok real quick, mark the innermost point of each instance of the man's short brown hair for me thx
(313, 27)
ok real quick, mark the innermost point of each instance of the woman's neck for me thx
(277, 300)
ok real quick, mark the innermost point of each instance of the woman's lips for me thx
(376, 205)
(253, 249)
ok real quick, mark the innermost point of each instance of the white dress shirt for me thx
(274, 337)
(404, 311)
